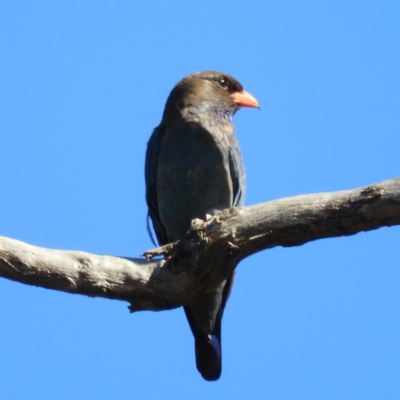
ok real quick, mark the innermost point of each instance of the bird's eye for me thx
(223, 82)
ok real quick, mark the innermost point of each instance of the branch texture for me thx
(211, 250)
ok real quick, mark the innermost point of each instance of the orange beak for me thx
(245, 99)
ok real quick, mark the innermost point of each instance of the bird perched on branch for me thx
(194, 168)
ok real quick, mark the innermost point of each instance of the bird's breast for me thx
(193, 175)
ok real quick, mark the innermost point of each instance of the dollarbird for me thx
(194, 168)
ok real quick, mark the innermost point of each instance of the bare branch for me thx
(211, 250)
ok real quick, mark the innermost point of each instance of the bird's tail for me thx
(205, 317)
(208, 356)
(207, 341)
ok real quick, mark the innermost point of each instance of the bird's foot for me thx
(165, 250)
(198, 224)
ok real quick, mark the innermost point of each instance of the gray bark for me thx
(210, 251)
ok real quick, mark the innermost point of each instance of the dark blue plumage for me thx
(193, 168)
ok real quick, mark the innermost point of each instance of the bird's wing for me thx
(152, 152)
(237, 172)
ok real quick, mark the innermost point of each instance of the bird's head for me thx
(207, 92)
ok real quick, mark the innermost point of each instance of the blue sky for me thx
(82, 86)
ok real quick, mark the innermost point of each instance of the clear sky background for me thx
(83, 84)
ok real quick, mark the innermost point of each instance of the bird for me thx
(194, 169)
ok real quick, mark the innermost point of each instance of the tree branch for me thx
(211, 250)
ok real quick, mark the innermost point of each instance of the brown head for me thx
(206, 91)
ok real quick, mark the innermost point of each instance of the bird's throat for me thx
(227, 115)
